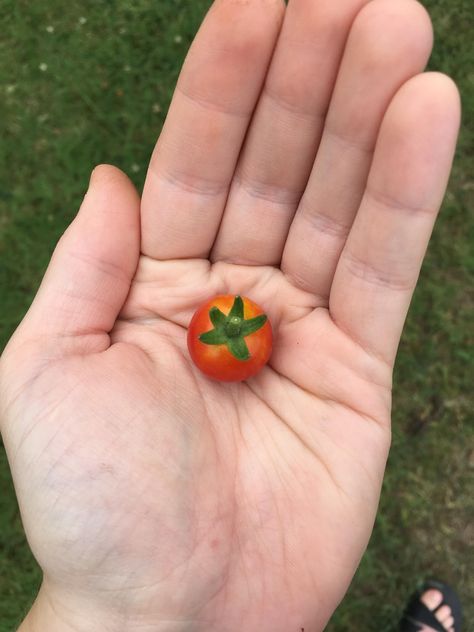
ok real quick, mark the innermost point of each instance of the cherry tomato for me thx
(230, 338)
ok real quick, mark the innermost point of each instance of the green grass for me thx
(102, 98)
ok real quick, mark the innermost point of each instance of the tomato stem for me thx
(232, 328)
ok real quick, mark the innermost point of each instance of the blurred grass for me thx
(90, 82)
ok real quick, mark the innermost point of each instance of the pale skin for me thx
(303, 161)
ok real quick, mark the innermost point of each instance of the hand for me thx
(152, 497)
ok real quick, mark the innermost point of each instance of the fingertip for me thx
(97, 172)
(432, 89)
(406, 19)
(423, 117)
(104, 172)
(107, 183)
(447, 90)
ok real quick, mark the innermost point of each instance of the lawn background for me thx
(90, 82)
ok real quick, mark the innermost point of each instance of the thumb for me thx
(89, 276)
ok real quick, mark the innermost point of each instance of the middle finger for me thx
(284, 133)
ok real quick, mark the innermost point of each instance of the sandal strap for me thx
(409, 626)
(417, 614)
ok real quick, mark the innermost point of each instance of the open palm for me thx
(302, 164)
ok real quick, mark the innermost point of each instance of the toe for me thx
(448, 623)
(432, 598)
(442, 614)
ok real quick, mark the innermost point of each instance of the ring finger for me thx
(389, 43)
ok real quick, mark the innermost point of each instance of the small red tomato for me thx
(230, 338)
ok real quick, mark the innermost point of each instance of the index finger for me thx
(194, 159)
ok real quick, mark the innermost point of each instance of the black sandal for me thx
(417, 613)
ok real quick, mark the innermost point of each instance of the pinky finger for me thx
(379, 266)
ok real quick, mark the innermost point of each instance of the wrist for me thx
(53, 613)
(44, 616)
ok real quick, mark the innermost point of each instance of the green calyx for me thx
(231, 330)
